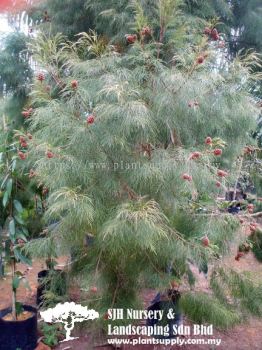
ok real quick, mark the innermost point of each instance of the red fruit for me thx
(32, 173)
(49, 154)
(187, 177)
(200, 59)
(24, 144)
(250, 208)
(253, 227)
(93, 289)
(190, 104)
(208, 141)
(247, 150)
(21, 155)
(217, 152)
(40, 77)
(21, 139)
(218, 184)
(222, 173)
(195, 155)
(74, 84)
(205, 241)
(207, 31)
(146, 31)
(45, 191)
(29, 136)
(214, 34)
(90, 119)
(106, 316)
(214, 31)
(25, 114)
(20, 242)
(131, 38)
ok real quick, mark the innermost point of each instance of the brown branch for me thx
(115, 293)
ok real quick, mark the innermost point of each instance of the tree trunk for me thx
(13, 292)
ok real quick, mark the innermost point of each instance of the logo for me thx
(68, 314)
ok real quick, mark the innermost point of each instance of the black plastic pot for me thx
(234, 209)
(166, 305)
(18, 334)
(59, 289)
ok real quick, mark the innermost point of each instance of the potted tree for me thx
(52, 284)
(18, 323)
(52, 281)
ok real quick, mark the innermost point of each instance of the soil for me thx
(21, 317)
(246, 336)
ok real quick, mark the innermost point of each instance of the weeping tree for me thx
(135, 148)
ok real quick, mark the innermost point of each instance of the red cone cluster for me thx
(146, 31)
(222, 173)
(187, 177)
(32, 173)
(217, 152)
(195, 155)
(74, 84)
(27, 113)
(253, 227)
(205, 241)
(40, 77)
(193, 104)
(208, 141)
(45, 191)
(250, 208)
(90, 119)
(21, 155)
(49, 154)
(23, 142)
(200, 59)
(131, 38)
(212, 33)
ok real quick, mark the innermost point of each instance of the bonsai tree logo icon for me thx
(68, 314)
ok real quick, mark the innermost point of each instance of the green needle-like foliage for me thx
(113, 141)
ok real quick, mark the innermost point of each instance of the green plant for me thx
(14, 232)
(52, 333)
